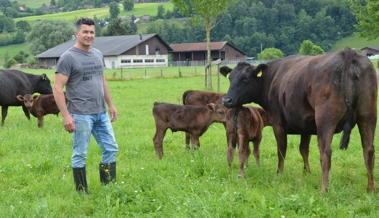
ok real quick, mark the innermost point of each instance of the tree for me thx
(206, 13)
(19, 37)
(23, 25)
(19, 58)
(47, 34)
(114, 10)
(160, 12)
(366, 14)
(270, 53)
(8, 24)
(53, 3)
(118, 27)
(9, 63)
(308, 48)
(128, 5)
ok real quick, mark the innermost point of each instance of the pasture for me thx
(100, 13)
(36, 176)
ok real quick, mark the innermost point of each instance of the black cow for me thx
(15, 82)
(313, 95)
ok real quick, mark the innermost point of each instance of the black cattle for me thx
(313, 95)
(15, 82)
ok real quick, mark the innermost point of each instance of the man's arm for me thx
(59, 82)
(108, 100)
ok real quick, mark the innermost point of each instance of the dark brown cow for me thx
(313, 95)
(15, 82)
(40, 105)
(188, 118)
(245, 124)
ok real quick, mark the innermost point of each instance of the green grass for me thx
(101, 13)
(36, 177)
(33, 3)
(353, 42)
(12, 50)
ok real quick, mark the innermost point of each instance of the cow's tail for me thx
(185, 96)
(347, 90)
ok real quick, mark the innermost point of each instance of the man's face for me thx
(86, 35)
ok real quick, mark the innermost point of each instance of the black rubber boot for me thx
(80, 180)
(107, 172)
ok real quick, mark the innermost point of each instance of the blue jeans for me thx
(99, 125)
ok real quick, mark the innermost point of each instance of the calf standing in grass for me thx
(245, 124)
(200, 98)
(191, 119)
(39, 105)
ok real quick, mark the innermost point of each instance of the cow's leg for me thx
(195, 140)
(281, 140)
(256, 151)
(187, 140)
(324, 139)
(26, 112)
(4, 113)
(367, 131)
(158, 141)
(243, 153)
(40, 122)
(231, 147)
(304, 151)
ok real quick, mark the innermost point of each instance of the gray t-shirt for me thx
(84, 88)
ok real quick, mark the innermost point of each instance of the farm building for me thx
(369, 51)
(128, 51)
(196, 53)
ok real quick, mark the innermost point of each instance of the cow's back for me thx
(12, 83)
(201, 98)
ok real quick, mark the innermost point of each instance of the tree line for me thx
(253, 25)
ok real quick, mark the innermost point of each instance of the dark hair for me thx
(83, 20)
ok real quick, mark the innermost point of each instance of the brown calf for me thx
(39, 105)
(194, 120)
(200, 98)
(244, 124)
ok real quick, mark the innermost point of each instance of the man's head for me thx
(85, 33)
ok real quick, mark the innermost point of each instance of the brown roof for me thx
(200, 46)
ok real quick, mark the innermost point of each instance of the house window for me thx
(237, 58)
(149, 60)
(157, 51)
(125, 61)
(137, 60)
(160, 60)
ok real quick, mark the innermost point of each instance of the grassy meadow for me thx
(100, 13)
(36, 176)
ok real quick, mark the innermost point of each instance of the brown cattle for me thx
(200, 98)
(194, 120)
(245, 124)
(40, 105)
(313, 95)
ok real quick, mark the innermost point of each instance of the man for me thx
(80, 69)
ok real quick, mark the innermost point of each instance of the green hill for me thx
(353, 42)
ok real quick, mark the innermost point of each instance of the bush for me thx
(9, 63)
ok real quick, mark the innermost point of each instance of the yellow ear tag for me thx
(227, 75)
(259, 74)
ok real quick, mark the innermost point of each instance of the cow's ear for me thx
(260, 70)
(20, 97)
(225, 70)
(43, 76)
(211, 106)
(35, 97)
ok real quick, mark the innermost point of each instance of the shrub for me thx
(9, 63)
